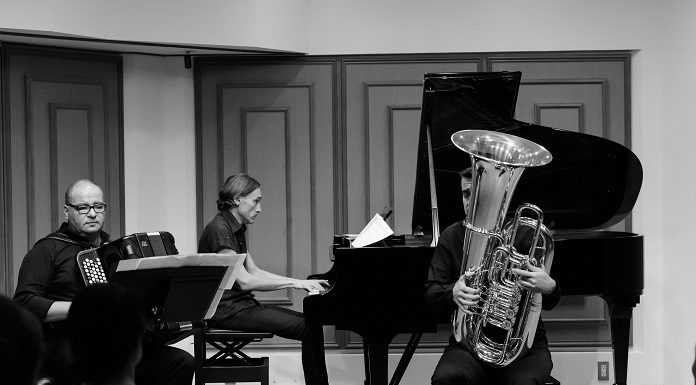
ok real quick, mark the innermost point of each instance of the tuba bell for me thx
(503, 323)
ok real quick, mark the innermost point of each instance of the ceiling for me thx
(63, 40)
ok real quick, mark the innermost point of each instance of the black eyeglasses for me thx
(84, 209)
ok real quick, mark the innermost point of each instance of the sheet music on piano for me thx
(375, 230)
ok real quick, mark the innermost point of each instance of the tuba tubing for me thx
(503, 323)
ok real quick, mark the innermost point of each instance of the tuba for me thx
(503, 323)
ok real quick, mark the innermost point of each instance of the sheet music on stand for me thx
(376, 230)
(186, 287)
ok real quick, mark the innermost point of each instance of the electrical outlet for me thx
(603, 371)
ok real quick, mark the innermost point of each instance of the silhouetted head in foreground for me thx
(105, 328)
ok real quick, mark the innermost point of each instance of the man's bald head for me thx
(82, 201)
(80, 185)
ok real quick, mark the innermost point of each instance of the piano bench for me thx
(228, 363)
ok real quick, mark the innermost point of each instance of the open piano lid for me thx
(591, 183)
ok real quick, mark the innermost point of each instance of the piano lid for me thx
(591, 183)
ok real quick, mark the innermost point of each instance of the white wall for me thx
(676, 188)
(159, 114)
(263, 23)
(159, 142)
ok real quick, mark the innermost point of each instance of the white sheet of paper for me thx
(376, 230)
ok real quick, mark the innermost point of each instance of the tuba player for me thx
(446, 290)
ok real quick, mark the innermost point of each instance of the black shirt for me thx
(225, 232)
(445, 271)
(49, 271)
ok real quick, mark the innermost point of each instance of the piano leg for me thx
(621, 311)
(376, 353)
(405, 358)
(376, 361)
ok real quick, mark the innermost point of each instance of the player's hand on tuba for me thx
(535, 279)
(463, 295)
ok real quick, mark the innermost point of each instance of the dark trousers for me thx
(458, 366)
(164, 365)
(160, 365)
(249, 315)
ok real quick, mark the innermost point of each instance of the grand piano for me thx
(591, 184)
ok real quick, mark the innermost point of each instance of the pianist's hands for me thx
(465, 296)
(311, 285)
(536, 279)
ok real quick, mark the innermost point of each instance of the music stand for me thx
(177, 288)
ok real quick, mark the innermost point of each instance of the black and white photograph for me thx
(347, 192)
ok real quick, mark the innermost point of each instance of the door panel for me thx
(271, 142)
(334, 140)
(588, 96)
(382, 124)
(274, 121)
(382, 116)
(63, 122)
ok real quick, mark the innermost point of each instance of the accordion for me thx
(99, 264)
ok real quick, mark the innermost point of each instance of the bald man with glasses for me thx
(49, 279)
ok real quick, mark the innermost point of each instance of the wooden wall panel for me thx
(6, 269)
(403, 140)
(382, 123)
(358, 155)
(382, 106)
(266, 132)
(599, 82)
(275, 121)
(582, 93)
(63, 121)
(574, 106)
(72, 151)
(63, 137)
